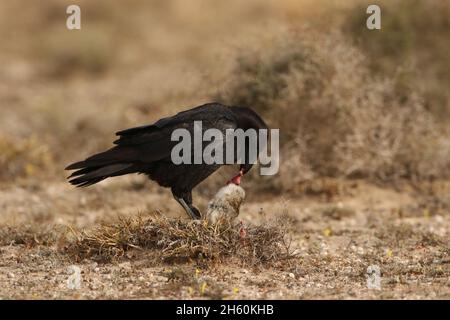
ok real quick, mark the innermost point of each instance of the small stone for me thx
(291, 275)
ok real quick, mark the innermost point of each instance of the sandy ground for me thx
(337, 233)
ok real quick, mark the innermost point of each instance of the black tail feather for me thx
(82, 184)
(91, 175)
(111, 156)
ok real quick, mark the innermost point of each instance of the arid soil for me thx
(338, 230)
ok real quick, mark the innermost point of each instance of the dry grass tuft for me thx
(180, 240)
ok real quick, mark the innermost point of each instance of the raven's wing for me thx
(209, 111)
(147, 144)
(143, 147)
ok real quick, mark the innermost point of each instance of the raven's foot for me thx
(190, 210)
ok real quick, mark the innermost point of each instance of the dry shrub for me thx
(183, 240)
(412, 31)
(335, 117)
(23, 157)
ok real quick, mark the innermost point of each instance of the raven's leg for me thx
(185, 201)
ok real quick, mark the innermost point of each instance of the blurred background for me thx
(364, 131)
(350, 102)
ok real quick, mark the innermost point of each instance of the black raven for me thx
(147, 149)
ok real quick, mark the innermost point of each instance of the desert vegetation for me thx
(365, 149)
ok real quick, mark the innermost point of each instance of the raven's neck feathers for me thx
(248, 119)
